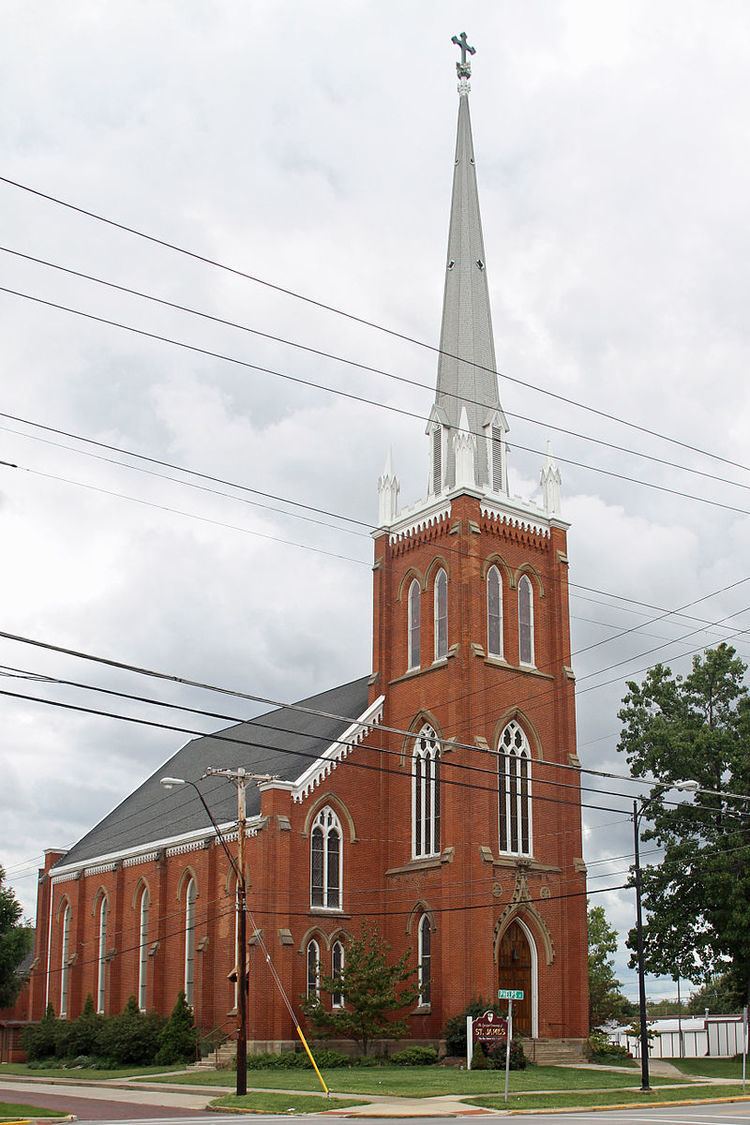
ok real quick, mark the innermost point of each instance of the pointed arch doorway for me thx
(516, 965)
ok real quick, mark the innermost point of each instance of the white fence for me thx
(717, 1038)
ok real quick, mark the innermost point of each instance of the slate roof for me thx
(283, 742)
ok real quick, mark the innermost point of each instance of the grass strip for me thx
(81, 1073)
(710, 1068)
(626, 1098)
(420, 1081)
(281, 1103)
(9, 1111)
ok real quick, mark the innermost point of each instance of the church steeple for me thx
(466, 379)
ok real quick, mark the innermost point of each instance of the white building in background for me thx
(713, 1036)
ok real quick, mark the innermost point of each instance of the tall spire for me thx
(467, 384)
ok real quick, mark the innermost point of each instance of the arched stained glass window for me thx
(515, 791)
(65, 960)
(426, 794)
(337, 968)
(190, 896)
(326, 860)
(441, 614)
(525, 621)
(494, 612)
(313, 968)
(413, 640)
(101, 968)
(145, 904)
(424, 964)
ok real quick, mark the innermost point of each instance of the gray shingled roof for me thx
(282, 742)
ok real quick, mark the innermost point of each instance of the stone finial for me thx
(550, 481)
(388, 490)
(465, 446)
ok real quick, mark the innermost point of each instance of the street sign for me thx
(510, 994)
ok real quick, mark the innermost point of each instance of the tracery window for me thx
(494, 612)
(525, 621)
(101, 969)
(515, 791)
(441, 614)
(313, 969)
(64, 960)
(190, 896)
(326, 860)
(426, 794)
(144, 905)
(337, 967)
(413, 624)
(424, 961)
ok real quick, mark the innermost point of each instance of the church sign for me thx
(490, 1028)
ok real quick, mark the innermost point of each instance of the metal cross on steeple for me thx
(463, 67)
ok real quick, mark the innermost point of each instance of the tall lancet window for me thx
(326, 859)
(515, 791)
(436, 465)
(101, 965)
(441, 615)
(337, 968)
(190, 897)
(65, 961)
(426, 794)
(525, 621)
(424, 962)
(145, 903)
(413, 624)
(494, 612)
(313, 969)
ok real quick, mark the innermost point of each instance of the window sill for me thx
(526, 669)
(422, 1010)
(512, 859)
(329, 911)
(426, 864)
(437, 664)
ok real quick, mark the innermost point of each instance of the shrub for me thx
(479, 1059)
(39, 1041)
(415, 1056)
(298, 1060)
(496, 1056)
(602, 1048)
(80, 1036)
(132, 1037)
(178, 1040)
(455, 1028)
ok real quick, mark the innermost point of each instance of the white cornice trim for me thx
(143, 852)
(419, 517)
(337, 751)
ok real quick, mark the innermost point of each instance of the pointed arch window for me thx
(313, 969)
(424, 962)
(494, 612)
(143, 911)
(337, 968)
(190, 897)
(414, 607)
(426, 794)
(525, 621)
(101, 966)
(65, 960)
(326, 860)
(515, 791)
(441, 614)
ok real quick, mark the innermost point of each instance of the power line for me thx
(222, 357)
(357, 319)
(153, 298)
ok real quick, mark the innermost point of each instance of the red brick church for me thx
(425, 797)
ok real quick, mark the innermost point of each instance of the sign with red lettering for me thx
(490, 1028)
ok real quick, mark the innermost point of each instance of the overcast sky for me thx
(312, 146)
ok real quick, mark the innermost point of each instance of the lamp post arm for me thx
(219, 832)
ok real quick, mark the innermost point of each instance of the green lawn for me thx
(283, 1103)
(11, 1112)
(419, 1081)
(711, 1068)
(624, 1097)
(82, 1074)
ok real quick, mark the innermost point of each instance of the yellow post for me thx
(312, 1060)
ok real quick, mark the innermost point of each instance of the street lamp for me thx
(240, 778)
(638, 810)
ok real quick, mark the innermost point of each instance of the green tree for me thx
(697, 898)
(369, 984)
(178, 1038)
(720, 995)
(15, 942)
(606, 1001)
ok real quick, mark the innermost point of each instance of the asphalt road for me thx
(730, 1114)
(99, 1109)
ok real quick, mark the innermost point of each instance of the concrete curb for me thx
(630, 1105)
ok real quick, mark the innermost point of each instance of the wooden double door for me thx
(514, 971)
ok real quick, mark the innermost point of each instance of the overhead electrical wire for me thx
(176, 306)
(204, 259)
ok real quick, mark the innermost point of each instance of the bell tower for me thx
(481, 835)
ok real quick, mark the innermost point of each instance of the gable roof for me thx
(283, 742)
